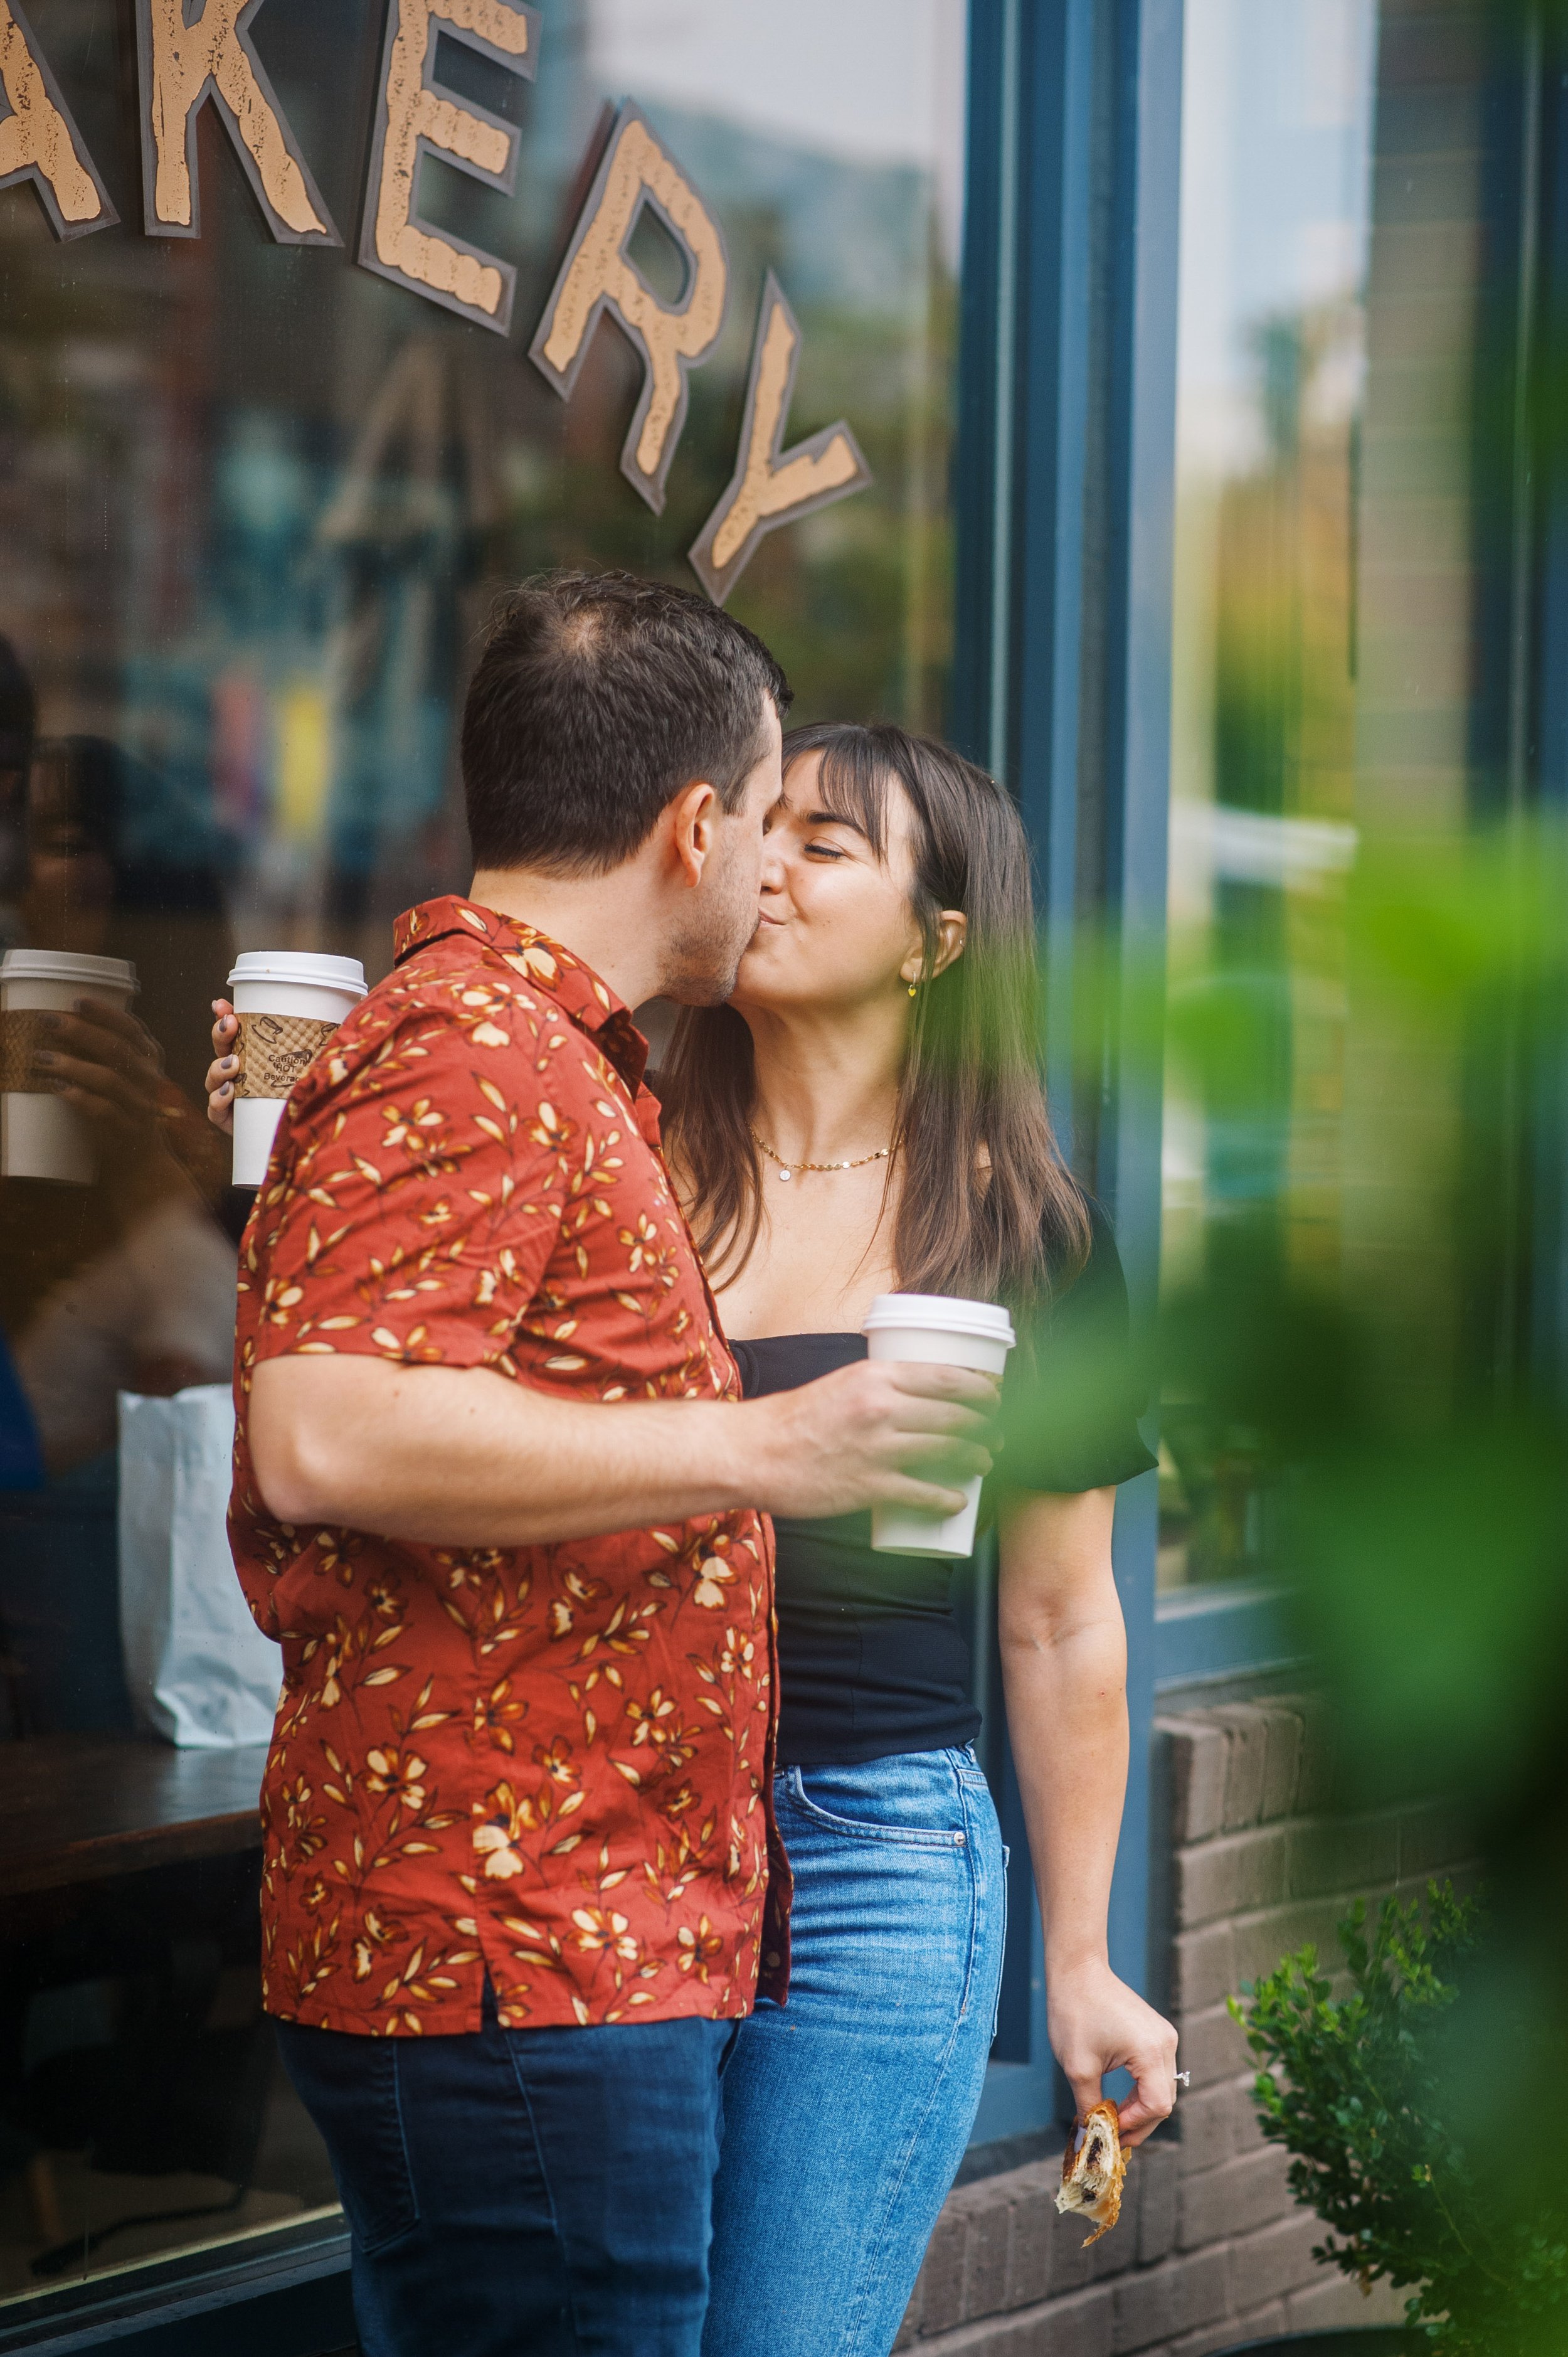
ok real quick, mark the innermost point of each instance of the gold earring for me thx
(913, 987)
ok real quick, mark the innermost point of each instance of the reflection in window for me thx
(1274, 235)
(255, 501)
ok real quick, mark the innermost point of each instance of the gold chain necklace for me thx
(788, 1169)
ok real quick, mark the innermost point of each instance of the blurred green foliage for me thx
(1393, 1416)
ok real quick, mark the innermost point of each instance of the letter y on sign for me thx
(413, 120)
(185, 58)
(38, 141)
(597, 276)
(771, 487)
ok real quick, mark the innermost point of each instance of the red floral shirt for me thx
(550, 1765)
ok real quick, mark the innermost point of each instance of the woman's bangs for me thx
(852, 781)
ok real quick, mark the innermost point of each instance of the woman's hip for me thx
(900, 1888)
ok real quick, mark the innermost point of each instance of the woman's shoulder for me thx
(1080, 1268)
(1080, 1387)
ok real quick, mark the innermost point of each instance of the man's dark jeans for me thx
(522, 2192)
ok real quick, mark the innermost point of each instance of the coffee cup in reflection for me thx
(931, 1328)
(289, 1003)
(41, 1136)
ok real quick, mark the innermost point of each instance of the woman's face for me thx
(71, 884)
(837, 927)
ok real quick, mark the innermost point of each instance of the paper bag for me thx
(200, 1671)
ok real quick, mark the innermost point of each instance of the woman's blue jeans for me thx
(846, 2112)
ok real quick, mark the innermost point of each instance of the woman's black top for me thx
(871, 1657)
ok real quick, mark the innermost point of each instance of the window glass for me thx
(1276, 235)
(254, 500)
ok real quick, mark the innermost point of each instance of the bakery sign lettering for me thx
(193, 52)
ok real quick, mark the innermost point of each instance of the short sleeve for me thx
(1074, 1393)
(412, 1205)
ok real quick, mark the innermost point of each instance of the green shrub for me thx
(1360, 2091)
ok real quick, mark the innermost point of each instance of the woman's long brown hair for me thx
(987, 1208)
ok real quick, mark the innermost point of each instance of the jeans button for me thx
(958, 1841)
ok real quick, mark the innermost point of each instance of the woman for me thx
(865, 1116)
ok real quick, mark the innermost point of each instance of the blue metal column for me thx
(1137, 802)
(1066, 483)
(1024, 406)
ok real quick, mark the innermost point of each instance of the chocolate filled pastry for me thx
(1093, 2166)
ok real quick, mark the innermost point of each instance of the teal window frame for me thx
(1065, 498)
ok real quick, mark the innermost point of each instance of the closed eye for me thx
(817, 823)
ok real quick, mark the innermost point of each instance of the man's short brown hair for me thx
(597, 698)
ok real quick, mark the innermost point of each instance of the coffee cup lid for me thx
(985, 1318)
(66, 965)
(301, 965)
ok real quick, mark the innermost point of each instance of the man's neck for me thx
(608, 922)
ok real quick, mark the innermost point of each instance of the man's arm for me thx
(1064, 1669)
(450, 1457)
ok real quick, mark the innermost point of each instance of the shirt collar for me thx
(546, 967)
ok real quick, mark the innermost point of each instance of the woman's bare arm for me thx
(1064, 1667)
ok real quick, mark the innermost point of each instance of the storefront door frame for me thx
(1065, 498)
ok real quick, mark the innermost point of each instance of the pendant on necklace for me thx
(786, 1174)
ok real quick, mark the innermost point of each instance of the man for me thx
(495, 1495)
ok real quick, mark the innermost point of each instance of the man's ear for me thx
(691, 819)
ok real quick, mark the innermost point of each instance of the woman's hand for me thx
(1098, 2024)
(107, 1066)
(223, 1070)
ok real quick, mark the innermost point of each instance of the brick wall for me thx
(1210, 2250)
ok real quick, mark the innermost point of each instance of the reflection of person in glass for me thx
(107, 2050)
(132, 1289)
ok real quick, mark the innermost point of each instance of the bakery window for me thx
(275, 429)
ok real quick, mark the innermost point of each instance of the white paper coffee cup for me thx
(289, 1001)
(937, 1332)
(40, 1135)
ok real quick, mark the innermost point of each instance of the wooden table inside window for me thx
(76, 1808)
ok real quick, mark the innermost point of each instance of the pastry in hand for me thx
(1093, 2166)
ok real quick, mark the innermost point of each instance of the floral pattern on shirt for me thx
(551, 1765)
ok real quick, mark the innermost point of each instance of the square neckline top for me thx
(873, 1658)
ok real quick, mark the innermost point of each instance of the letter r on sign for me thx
(413, 120)
(598, 275)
